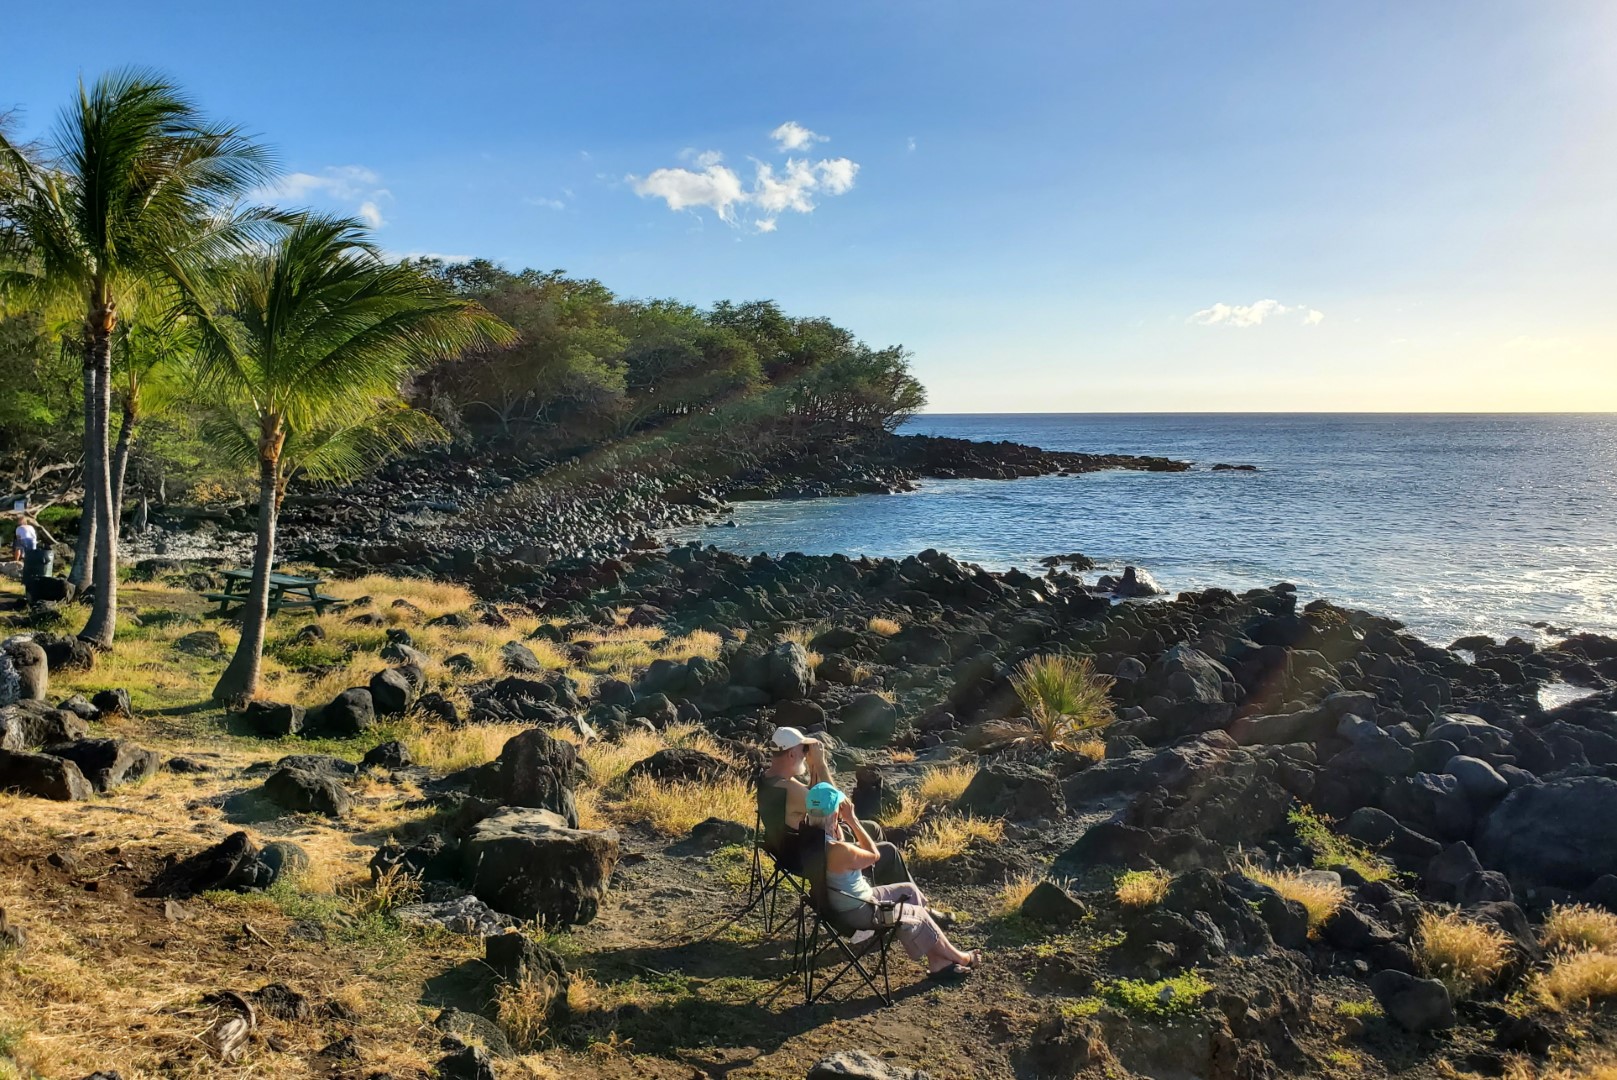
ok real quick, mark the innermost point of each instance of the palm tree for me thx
(135, 180)
(307, 342)
(150, 357)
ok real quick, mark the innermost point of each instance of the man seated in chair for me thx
(797, 763)
(838, 876)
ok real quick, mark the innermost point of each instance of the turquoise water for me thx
(1455, 524)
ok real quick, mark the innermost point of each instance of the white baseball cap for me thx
(787, 738)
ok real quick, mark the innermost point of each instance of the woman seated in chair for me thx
(854, 901)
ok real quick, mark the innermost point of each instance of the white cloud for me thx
(354, 188)
(715, 187)
(910, 144)
(548, 204)
(794, 136)
(793, 187)
(1253, 314)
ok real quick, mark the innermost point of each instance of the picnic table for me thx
(286, 591)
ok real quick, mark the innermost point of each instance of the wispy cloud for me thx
(793, 187)
(352, 188)
(1254, 314)
(794, 136)
(548, 204)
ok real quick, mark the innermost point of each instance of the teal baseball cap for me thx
(823, 800)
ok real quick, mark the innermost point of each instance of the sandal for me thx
(975, 960)
(952, 974)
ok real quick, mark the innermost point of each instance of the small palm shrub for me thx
(1065, 699)
(1459, 952)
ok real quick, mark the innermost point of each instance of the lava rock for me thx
(106, 763)
(350, 713)
(1052, 905)
(869, 720)
(1414, 1004)
(301, 791)
(43, 776)
(392, 693)
(531, 864)
(859, 1065)
(274, 720)
(1557, 833)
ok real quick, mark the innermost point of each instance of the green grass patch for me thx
(1359, 1010)
(1080, 1008)
(1331, 849)
(732, 865)
(1180, 995)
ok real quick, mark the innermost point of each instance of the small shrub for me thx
(1359, 1010)
(884, 627)
(1066, 701)
(524, 1009)
(944, 784)
(1093, 749)
(1319, 898)
(1462, 953)
(905, 810)
(1080, 1008)
(393, 887)
(949, 837)
(1142, 888)
(1331, 849)
(1576, 978)
(1180, 995)
(1008, 901)
(1579, 926)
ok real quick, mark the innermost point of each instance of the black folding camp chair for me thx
(829, 934)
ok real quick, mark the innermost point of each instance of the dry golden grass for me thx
(1460, 952)
(393, 887)
(802, 636)
(905, 810)
(945, 783)
(524, 1009)
(884, 627)
(1592, 1063)
(447, 749)
(1579, 926)
(1319, 899)
(1142, 888)
(674, 808)
(1582, 977)
(952, 835)
(1093, 749)
(1008, 900)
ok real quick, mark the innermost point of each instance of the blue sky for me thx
(1058, 207)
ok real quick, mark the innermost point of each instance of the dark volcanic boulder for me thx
(787, 672)
(1052, 905)
(303, 791)
(1558, 833)
(273, 719)
(869, 720)
(1013, 790)
(112, 702)
(66, 653)
(681, 763)
(392, 692)
(535, 770)
(530, 864)
(1190, 690)
(234, 864)
(517, 657)
(42, 776)
(1414, 1004)
(351, 712)
(28, 724)
(106, 763)
(27, 659)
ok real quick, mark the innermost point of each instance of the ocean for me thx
(1455, 524)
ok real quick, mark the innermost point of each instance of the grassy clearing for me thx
(674, 808)
(1067, 702)
(1461, 953)
(1576, 978)
(1569, 928)
(952, 835)
(1331, 849)
(1142, 888)
(1319, 899)
(448, 749)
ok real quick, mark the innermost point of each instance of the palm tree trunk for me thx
(84, 546)
(240, 679)
(104, 613)
(120, 460)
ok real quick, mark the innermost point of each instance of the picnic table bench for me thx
(286, 591)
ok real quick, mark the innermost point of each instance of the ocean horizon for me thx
(1455, 523)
